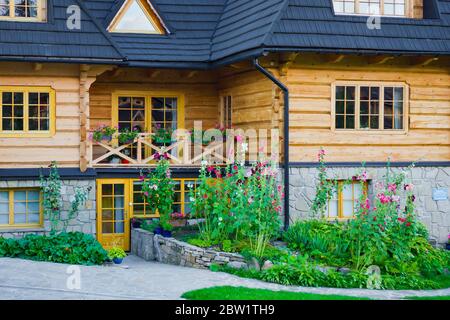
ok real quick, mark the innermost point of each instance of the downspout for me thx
(286, 137)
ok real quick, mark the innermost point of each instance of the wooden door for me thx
(113, 213)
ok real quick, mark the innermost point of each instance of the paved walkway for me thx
(138, 279)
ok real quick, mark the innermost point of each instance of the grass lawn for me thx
(429, 298)
(242, 293)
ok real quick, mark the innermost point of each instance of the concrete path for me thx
(138, 279)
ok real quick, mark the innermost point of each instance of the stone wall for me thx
(84, 222)
(434, 214)
(153, 247)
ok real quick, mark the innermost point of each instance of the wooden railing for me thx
(146, 152)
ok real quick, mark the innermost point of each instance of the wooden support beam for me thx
(334, 58)
(380, 59)
(192, 74)
(286, 63)
(37, 66)
(153, 73)
(424, 61)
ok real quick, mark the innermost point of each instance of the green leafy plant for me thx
(162, 135)
(116, 252)
(128, 136)
(158, 190)
(71, 248)
(240, 203)
(52, 200)
(104, 133)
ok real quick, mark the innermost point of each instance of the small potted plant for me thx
(162, 135)
(136, 223)
(447, 246)
(116, 254)
(127, 136)
(104, 134)
(166, 229)
(177, 219)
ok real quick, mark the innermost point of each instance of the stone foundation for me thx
(153, 247)
(435, 214)
(84, 222)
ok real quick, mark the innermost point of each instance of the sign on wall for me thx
(440, 194)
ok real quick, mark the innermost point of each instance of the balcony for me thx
(144, 151)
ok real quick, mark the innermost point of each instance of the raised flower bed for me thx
(153, 247)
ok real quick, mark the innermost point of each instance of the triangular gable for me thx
(137, 16)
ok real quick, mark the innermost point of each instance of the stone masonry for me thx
(153, 247)
(84, 222)
(434, 214)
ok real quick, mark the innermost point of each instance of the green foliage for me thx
(103, 132)
(158, 189)
(127, 136)
(306, 274)
(227, 246)
(149, 225)
(199, 243)
(242, 293)
(72, 248)
(52, 203)
(116, 252)
(326, 242)
(324, 189)
(243, 204)
(52, 200)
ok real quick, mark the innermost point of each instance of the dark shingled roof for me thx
(53, 41)
(204, 33)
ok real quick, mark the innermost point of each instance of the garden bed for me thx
(153, 247)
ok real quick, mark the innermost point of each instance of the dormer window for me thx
(393, 8)
(137, 16)
(23, 10)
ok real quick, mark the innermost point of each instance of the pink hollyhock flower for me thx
(383, 198)
(141, 178)
(395, 198)
(392, 187)
(409, 187)
(239, 139)
(146, 193)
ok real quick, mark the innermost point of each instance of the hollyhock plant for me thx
(243, 205)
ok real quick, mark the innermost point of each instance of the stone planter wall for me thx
(153, 247)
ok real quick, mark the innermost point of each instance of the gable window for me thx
(226, 112)
(27, 111)
(344, 201)
(23, 10)
(137, 16)
(396, 8)
(369, 107)
(20, 208)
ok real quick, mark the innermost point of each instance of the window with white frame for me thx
(396, 8)
(369, 107)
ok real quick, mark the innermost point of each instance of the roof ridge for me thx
(277, 19)
(211, 40)
(101, 29)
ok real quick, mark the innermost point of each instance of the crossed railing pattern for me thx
(180, 152)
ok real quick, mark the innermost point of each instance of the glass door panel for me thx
(112, 213)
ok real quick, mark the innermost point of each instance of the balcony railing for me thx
(145, 152)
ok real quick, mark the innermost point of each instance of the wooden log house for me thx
(366, 80)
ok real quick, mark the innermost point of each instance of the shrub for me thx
(242, 204)
(71, 247)
(158, 190)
